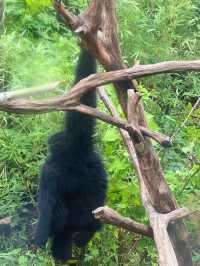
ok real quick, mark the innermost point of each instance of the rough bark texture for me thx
(101, 39)
(109, 216)
(159, 222)
(103, 43)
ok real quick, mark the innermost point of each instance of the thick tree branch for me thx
(109, 216)
(164, 140)
(178, 214)
(100, 79)
(68, 18)
(67, 103)
(132, 116)
(159, 222)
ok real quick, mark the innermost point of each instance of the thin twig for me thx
(185, 121)
(21, 93)
(188, 180)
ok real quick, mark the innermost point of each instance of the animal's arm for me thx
(47, 203)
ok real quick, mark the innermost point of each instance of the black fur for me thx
(73, 180)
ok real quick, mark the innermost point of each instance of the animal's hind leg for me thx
(46, 205)
(83, 237)
(62, 245)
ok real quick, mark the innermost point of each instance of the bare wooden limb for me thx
(109, 119)
(73, 95)
(159, 222)
(65, 103)
(178, 214)
(100, 79)
(164, 140)
(109, 216)
(132, 106)
(68, 18)
(27, 107)
(9, 95)
(127, 139)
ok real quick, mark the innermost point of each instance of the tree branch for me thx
(9, 95)
(159, 222)
(100, 79)
(68, 18)
(109, 216)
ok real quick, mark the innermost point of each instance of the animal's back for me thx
(81, 188)
(82, 176)
(73, 178)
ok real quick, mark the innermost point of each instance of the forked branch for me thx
(159, 222)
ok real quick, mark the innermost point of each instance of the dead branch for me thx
(69, 19)
(132, 108)
(164, 140)
(9, 95)
(82, 87)
(108, 103)
(159, 222)
(115, 121)
(87, 84)
(69, 104)
(100, 79)
(178, 214)
(109, 216)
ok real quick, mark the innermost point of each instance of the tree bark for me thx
(100, 37)
(98, 31)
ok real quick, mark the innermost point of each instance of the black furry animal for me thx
(73, 179)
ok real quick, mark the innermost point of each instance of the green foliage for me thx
(36, 49)
(36, 6)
